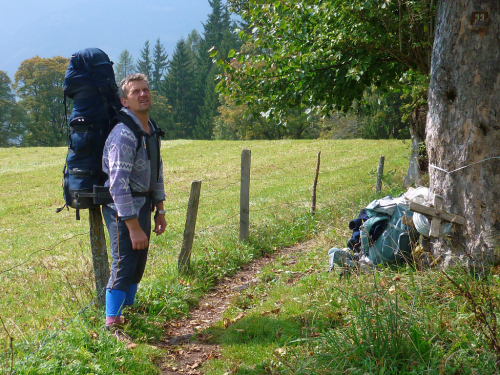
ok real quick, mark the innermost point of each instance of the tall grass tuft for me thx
(380, 333)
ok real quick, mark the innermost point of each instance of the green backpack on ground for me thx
(393, 245)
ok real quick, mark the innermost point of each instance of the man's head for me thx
(134, 93)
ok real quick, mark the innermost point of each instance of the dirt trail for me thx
(188, 352)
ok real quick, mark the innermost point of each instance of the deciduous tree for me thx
(7, 103)
(321, 55)
(38, 83)
(160, 110)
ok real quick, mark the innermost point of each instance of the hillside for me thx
(418, 320)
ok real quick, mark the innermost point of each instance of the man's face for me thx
(138, 97)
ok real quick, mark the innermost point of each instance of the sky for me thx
(48, 28)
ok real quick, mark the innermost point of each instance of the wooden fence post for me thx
(246, 156)
(315, 184)
(189, 229)
(380, 173)
(99, 253)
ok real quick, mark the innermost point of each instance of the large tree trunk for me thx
(463, 125)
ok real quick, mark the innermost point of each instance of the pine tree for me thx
(144, 64)
(160, 64)
(179, 87)
(205, 123)
(213, 35)
(125, 66)
(193, 42)
(217, 33)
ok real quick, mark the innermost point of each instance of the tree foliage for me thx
(125, 66)
(7, 104)
(235, 123)
(160, 109)
(38, 83)
(217, 35)
(321, 55)
(179, 86)
(160, 65)
(380, 115)
(144, 63)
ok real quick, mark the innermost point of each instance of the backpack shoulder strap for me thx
(130, 123)
(157, 130)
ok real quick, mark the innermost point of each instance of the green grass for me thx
(354, 325)
(350, 325)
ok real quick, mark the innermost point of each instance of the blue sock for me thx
(130, 298)
(115, 300)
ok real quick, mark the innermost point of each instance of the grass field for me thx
(58, 278)
(46, 276)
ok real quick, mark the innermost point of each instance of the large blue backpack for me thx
(90, 83)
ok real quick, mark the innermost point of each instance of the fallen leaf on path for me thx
(239, 317)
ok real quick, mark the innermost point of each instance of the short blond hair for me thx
(123, 89)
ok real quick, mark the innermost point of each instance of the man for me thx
(132, 161)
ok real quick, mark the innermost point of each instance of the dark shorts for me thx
(128, 265)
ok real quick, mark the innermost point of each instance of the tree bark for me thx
(463, 126)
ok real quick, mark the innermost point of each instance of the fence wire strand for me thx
(57, 333)
(40, 250)
(51, 337)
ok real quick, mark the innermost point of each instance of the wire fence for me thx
(30, 256)
(209, 193)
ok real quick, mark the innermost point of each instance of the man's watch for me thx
(161, 212)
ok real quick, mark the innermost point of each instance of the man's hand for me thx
(160, 224)
(137, 236)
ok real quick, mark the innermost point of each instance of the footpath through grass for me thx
(50, 325)
(301, 319)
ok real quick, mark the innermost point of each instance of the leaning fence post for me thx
(189, 229)
(99, 253)
(380, 173)
(246, 156)
(315, 184)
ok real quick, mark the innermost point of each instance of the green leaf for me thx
(231, 53)
(213, 51)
